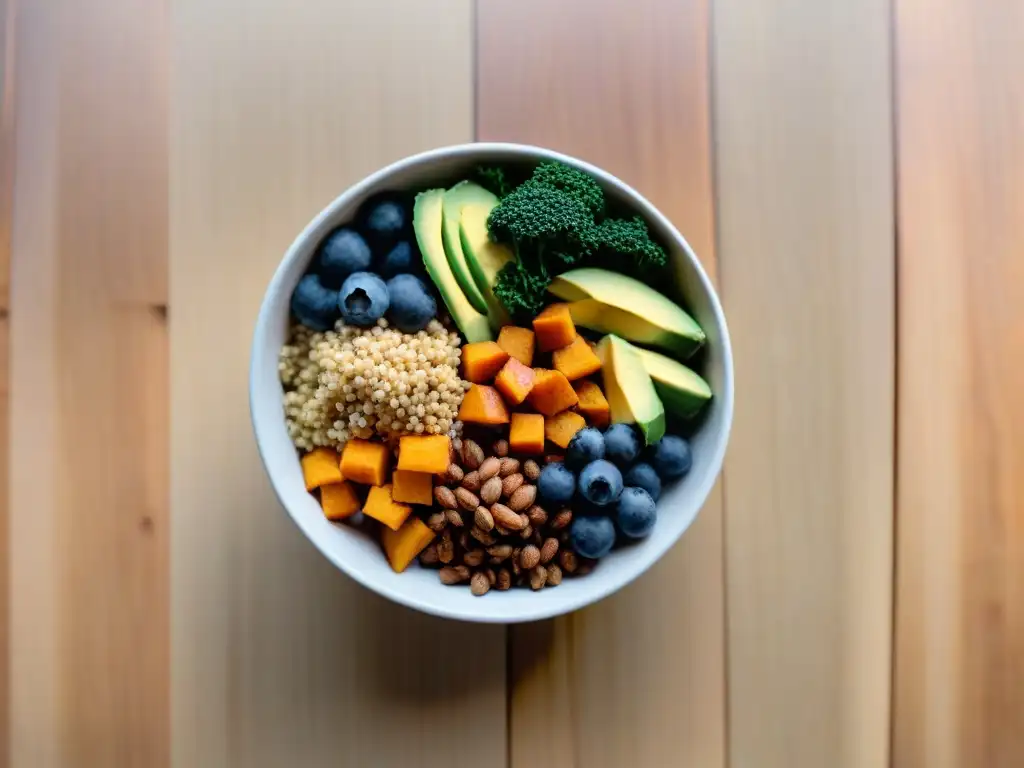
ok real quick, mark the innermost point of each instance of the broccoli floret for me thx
(576, 183)
(542, 222)
(494, 179)
(521, 291)
(629, 238)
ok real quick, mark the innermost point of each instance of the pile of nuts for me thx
(491, 531)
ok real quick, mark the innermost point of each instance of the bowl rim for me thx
(544, 609)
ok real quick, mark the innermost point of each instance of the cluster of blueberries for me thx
(347, 276)
(614, 482)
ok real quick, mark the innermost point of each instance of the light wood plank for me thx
(803, 128)
(89, 638)
(639, 679)
(277, 657)
(960, 597)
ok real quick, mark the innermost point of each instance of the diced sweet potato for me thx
(576, 360)
(518, 342)
(320, 467)
(381, 506)
(514, 381)
(481, 360)
(424, 453)
(551, 392)
(412, 487)
(526, 434)
(365, 461)
(406, 543)
(483, 405)
(339, 500)
(561, 427)
(593, 403)
(554, 327)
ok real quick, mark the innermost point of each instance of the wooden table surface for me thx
(852, 174)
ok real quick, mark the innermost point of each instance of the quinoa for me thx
(357, 382)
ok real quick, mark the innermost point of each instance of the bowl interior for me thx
(360, 556)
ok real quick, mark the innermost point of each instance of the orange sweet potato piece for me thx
(526, 434)
(554, 327)
(403, 545)
(551, 392)
(412, 487)
(381, 506)
(593, 403)
(481, 360)
(424, 453)
(518, 342)
(339, 500)
(365, 461)
(514, 381)
(320, 467)
(483, 405)
(576, 360)
(560, 428)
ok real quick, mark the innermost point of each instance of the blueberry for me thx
(642, 475)
(621, 444)
(385, 219)
(315, 305)
(556, 483)
(342, 253)
(404, 257)
(363, 299)
(586, 446)
(637, 513)
(592, 537)
(600, 482)
(671, 457)
(412, 306)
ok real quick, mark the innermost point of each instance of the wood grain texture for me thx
(277, 656)
(960, 592)
(89, 583)
(805, 222)
(638, 679)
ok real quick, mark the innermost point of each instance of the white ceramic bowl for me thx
(360, 556)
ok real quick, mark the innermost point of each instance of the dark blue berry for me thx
(621, 444)
(404, 257)
(342, 253)
(637, 513)
(586, 446)
(592, 537)
(671, 457)
(385, 219)
(600, 482)
(412, 305)
(315, 305)
(556, 483)
(363, 299)
(642, 475)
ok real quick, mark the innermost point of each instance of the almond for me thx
(454, 518)
(529, 557)
(484, 537)
(479, 585)
(538, 577)
(531, 469)
(449, 575)
(548, 550)
(500, 551)
(508, 467)
(491, 576)
(468, 500)
(506, 518)
(453, 475)
(504, 579)
(471, 482)
(522, 497)
(490, 491)
(554, 576)
(483, 519)
(510, 483)
(527, 532)
(537, 515)
(464, 540)
(472, 454)
(500, 448)
(445, 497)
(429, 555)
(437, 521)
(446, 549)
(502, 530)
(561, 519)
(489, 468)
(474, 557)
(568, 560)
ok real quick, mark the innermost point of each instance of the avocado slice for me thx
(484, 257)
(461, 194)
(610, 302)
(426, 222)
(682, 391)
(629, 389)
